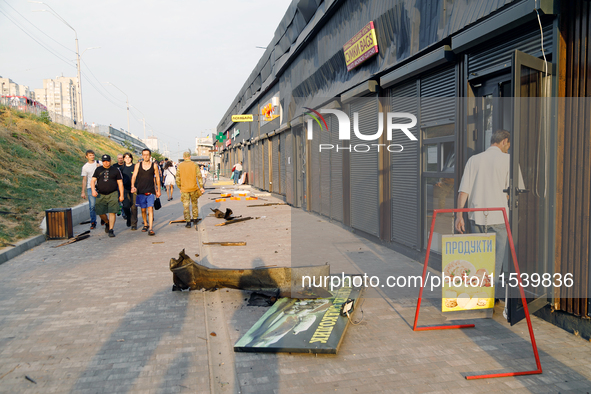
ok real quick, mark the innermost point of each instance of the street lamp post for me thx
(127, 101)
(79, 89)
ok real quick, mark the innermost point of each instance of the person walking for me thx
(169, 178)
(237, 172)
(146, 183)
(485, 177)
(107, 181)
(129, 200)
(190, 184)
(87, 173)
(119, 165)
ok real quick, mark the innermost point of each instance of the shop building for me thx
(463, 69)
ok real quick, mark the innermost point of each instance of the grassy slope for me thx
(40, 167)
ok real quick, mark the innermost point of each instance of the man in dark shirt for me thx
(107, 181)
(119, 165)
(129, 207)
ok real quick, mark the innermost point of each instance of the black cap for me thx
(106, 158)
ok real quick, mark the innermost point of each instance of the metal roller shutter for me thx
(325, 197)
(314, 192)
(434, 88)
(288, 160)
(500, 52)
(364, 168)
(405, 176)
(258, 161)
(265, 183)
(336, 171)
(283, 161)
(245, 164)
(276, 167)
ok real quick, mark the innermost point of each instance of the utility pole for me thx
(80, 117)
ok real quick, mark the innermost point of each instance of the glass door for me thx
(528, 198)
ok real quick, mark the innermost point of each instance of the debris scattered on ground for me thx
(258, 299)
(30, 379)
(77, 238)
(17, 365)
(219, 214)
(85, 222)
(159, 242)
(177, 221)
(278, 281)
(234, 221)
(267, 204)
(220, 200)
(225, 243)
(213, 334)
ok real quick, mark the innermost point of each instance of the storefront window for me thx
(439, 186)
(440, 195)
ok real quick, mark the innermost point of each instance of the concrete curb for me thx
(80, 213)
(21, 247)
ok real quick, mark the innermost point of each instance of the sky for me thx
(180, 63)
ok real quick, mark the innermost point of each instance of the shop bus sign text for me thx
(361, 47)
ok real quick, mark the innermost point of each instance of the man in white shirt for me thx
(87, 172)
(237, 172)
(485, 177)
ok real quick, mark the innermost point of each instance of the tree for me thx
(128, 145)
(157, 155)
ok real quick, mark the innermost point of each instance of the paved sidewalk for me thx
(99, 316)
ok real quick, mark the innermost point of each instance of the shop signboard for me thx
(468, 264)
(301, 325)
(361, 47)
(242, 118)
(270, 110)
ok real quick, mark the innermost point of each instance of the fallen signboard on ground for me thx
(301, 326)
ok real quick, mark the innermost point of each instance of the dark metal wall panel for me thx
(314, 192)
(336, 171)
(314, 61)
(289, 168)
(265, 183)
(500, 51)
(283, 161)
(325, 164)
(405, 172)
(364, 168)
(434, 87)
(573, 194)
(276, 165)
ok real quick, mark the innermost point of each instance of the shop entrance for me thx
(514, 102)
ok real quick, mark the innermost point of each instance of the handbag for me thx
(157, 204)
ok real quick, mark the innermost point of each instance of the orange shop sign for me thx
(361, 47)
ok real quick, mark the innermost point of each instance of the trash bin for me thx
(59, 223)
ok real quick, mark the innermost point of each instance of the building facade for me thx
(152, 143)
(10, 88)
(463, 70)
(60, 96)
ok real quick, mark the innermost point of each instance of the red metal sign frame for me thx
(523, 300)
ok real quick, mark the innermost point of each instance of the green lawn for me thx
(40, 168)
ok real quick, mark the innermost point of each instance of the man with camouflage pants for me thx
(190, 183)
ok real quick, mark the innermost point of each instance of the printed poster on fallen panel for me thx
(468, 264)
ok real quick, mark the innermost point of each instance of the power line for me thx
(100, 84)
(38, 42)
(32, 24)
